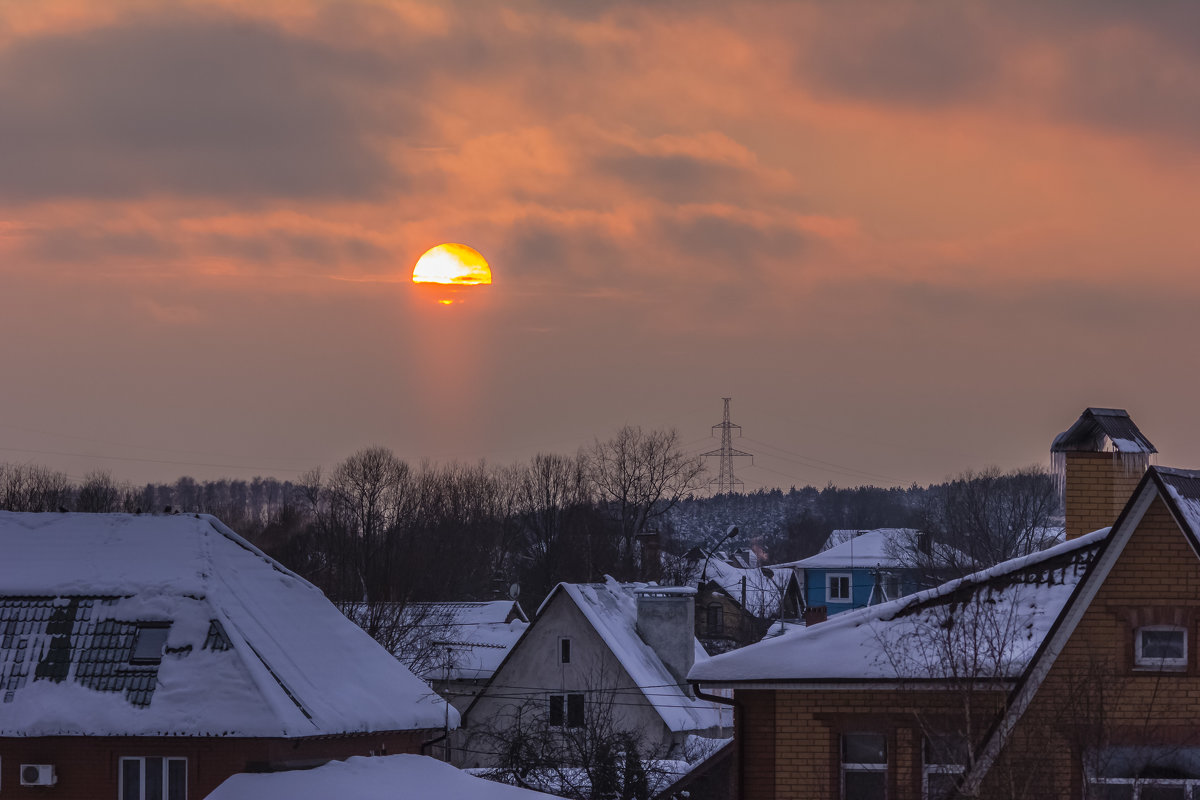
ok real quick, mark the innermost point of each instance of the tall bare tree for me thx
(640, 476)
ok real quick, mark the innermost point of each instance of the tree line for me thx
(376, 529)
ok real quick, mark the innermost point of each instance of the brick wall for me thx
(1092, 697)
(87, 767)
(1096, 487)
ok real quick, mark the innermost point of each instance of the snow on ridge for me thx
(290, 651)
(869, 644)
(611, 608)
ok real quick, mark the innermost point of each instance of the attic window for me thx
(1159, 646)
(149, 642)
(564, 651)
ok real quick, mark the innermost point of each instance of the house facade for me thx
(151, 656)
(1069, 673)
(605, 656)
(861, 568)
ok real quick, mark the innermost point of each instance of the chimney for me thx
(666, 620)
(1097, 463)
(815, 614)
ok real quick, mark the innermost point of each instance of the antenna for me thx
(725, 482)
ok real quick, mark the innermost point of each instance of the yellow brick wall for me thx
(1096, 487)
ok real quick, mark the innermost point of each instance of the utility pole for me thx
(725, 482)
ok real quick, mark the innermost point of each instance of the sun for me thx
(454, 264)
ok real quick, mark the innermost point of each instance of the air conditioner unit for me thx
(38, 775)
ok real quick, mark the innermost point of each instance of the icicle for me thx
(1058, 470)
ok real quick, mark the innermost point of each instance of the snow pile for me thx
(293, 664)
(993, 621)
(401, 777)
(877, 548)
(611, 608)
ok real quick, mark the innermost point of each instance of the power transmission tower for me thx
(725, 481)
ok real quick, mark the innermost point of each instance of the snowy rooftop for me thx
(1102, 429)
(611, 608)
(470, 638)
(119, 624)
(380, 778)
(867, 549)
(1007, 609)
(763, 588)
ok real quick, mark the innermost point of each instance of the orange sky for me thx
(907, 238)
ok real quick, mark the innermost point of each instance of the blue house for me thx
(859, 568)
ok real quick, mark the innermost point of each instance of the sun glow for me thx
(454, 264)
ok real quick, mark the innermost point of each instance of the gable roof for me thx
(765, 586)
(252, 649)
(611, 609)
(1180, 491)
(883, 644)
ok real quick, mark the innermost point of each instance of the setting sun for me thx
(454, 264)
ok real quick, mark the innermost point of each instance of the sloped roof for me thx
(874, 548)
(763, 588)
(611, 608)
(1098, 428)
(377, 778)
(252, 650)
(1011, 606)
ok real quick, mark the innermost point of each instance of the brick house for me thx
(154, 656)
(1069, 673)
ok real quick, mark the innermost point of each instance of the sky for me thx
(907, 239)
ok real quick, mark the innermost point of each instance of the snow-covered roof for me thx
(868, 549)
(379, 778)
(456, 640)
(1102, 429)
(763, 588)
(1008, 609)
(252, 649)
(611, 608)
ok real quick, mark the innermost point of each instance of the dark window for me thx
(839, 589)
(148, 644)
(864, 766)
(1160, 646)
(945, 762)
(556, 710)
(564, 651)
(575, 711)
(716, 619)
(153, 778)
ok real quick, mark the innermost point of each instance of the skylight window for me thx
(148, 644)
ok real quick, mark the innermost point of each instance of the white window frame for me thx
(830, 578)
(936, 768)
(1148, 662)
(847, 766)
(166, 776)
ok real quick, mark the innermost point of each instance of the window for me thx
(1143, 773)
(566, 709)
(153, 778)
(1160, 646)
(945, 762)
(716, 619)
(564, 651)
(864, 766)
(838, 588)
(148, 644)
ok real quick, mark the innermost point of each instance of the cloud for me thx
(192, 105)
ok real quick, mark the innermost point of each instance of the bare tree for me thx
(640, 476)
(100, 493)
(30, 487)
(982, 518)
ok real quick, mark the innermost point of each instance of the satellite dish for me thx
(514, 591)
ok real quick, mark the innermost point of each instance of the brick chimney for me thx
(1098, 462)
(666, 620)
